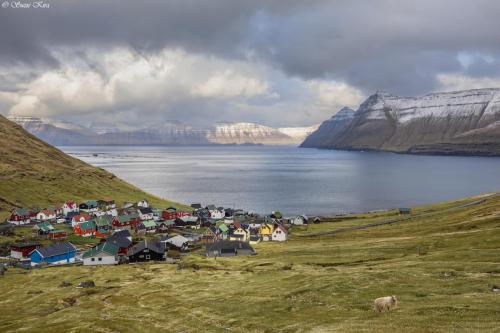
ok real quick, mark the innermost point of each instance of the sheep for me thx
(385, 303)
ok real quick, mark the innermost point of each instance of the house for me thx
(69, 207)
(85, 229)
(196, 206)
(22, 250)
(43, 228)
(107, 204)
(254, 239)
(147, 250)
(20, 216)
(56, 254)
(46, 215)
(89, 206)
(145, 213)
(104, 224)
(122, 239)
(227, 248)
(178, 242)
(240, 234)
(404, 211)
(148, 226)
(280, 234)
(216, 213)
(143, 204)
(164, 226)
(101, 254)
(57, 234)
(298, 220)
(210, 235)
(82, 217)
(126, 221)
(265, 231)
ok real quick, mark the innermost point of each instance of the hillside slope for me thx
(33, 173)
(462, 122)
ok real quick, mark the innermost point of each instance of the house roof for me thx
(21, 211)
(120, 239)
(196, 206)
(146, 210)
(223, 227)
(48, 212)
(177, 241)
(211, 207)
(86, 217)
(157, 247)
(149, 224)
(44, 226)
(103, 221)
(56, 249)
(88, 225)
(108, 248)
(229, 245)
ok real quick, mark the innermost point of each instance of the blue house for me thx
(56, 254)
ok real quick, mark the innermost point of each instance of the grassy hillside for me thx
(441, 267)
(33, 173)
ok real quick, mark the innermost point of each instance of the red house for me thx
(22, 250)
(57, 234)
(126, 221)
(85, 229)
(20, 216)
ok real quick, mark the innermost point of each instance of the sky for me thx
(275, 62)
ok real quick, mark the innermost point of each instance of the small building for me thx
(280, 234)
(265, 231)
(164, 226)
(145, 213)
(122, 239)
(22, 250)
(404, 211)
(85, 229)
(89, 206)
(43, 228)
(104, 224)
(57, 234)
(298, 220)
(240, 234)
(102, 254)
(79, 218)
(56, 254)
(46, 215)
(148, 226)
(143, 203)
(20, 216)
(70, 207)
(227, 248)
(126, 221)
(147, 250)
(216, 213)
(177, 242)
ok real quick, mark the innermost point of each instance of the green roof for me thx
(103, 221)
(89, 225)
(223, 228)
(123, 218)
(167, 222)
(22, 211)
(45, 226)
(106, 247)
(149, 224)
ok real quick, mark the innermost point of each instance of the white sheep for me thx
(385, 303)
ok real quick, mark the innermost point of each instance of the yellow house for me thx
(265, 231)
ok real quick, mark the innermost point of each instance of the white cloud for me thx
(231, 84)
(452, 82)
(334, 95)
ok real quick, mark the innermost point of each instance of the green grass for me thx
(441, 267)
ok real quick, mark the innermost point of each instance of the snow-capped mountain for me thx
(166, 133)
(460, 122)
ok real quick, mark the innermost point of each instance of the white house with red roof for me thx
(79, 219)
(46, 215)
(70, 207)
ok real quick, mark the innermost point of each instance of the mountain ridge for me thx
(452, 123)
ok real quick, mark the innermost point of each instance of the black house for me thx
(147, 251)
(226, 248)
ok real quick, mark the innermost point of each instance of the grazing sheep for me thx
(385, 303)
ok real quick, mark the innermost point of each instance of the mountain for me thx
(330, 128)
(33, 173)
(166, 133)
(458, 123)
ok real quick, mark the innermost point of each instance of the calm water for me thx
(295, 180)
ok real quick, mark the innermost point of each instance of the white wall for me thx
(106, 260)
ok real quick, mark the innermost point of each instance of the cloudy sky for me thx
(276, 62)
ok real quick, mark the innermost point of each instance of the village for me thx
(137, 232)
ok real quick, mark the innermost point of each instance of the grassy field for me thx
(441, 267)
(35, 174)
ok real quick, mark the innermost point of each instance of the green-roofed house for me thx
(102, 254)
(43, 228)
(223, 229)
(148, 226)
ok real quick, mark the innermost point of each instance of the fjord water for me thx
(294, 180)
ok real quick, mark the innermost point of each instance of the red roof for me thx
(47, 212)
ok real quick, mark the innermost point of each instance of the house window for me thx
(92, 259)
(141, 256)
(100, 259)
(148, 256)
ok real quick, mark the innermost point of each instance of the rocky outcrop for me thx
(462, 122)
